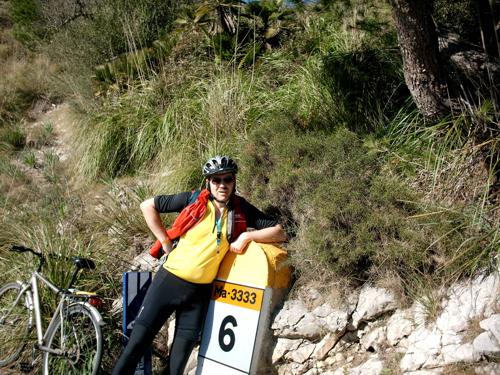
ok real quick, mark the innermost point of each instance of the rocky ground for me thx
(370, 335)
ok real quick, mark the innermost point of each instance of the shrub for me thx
(366, 82)
(98, 32)
(459, 17)
(348, 214)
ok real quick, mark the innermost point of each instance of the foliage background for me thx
(311, 101)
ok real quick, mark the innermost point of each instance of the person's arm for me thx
(153, 220)
(151, 209)
(264, 235)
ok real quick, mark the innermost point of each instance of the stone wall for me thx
(370, 335)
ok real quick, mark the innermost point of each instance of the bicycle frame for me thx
(31, 290)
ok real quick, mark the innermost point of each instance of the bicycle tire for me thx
(15, 322)
(82, 343)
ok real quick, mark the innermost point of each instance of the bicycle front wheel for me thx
(15, 322)
(77, 338)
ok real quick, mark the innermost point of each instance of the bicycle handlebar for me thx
(23, 249)
(77, 261)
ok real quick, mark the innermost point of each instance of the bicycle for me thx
(72, 343)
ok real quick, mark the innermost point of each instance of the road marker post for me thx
(236, 334)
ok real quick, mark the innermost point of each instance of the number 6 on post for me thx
(229, 334)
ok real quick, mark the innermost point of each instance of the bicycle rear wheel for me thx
(78, 338)
(15, 322)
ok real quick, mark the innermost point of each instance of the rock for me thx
(451, 338)
(486, 345)
(171, 332)
(423, 349)
(458, 353)
(285, 369)
(312, 371)
(351, 337)
(374, 339)
(372, 302)
(309, 328)
(327, 344)
(336, 321)
(293, 368)
(313, 295)
(492, 324)
(323, 310)
(302, 354)
(373, 366)
(489, 369)
(399, 326)
(144, 263)
(337, 358)
(283, 346)
(469, 300)
(292, 312)
(192, 361)
(402, 346)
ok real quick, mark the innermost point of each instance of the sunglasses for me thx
(226, 180)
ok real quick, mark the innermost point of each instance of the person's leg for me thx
(188, 325)
(155, 310)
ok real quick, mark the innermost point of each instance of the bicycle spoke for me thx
(14, 322)
(79, 342)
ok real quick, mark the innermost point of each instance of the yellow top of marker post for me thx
(261, 265)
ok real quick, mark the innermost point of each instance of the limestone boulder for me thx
(372, 302)
(398, 326)
(373, 366)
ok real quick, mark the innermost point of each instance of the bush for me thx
(98, 32)
(366, 82)
(459, 17)
(348, 216)
(120, 137)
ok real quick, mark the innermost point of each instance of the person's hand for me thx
(240, 244)
(167, 246)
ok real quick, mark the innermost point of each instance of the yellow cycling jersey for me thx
(197, 256)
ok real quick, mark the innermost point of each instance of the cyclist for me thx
(183, 283)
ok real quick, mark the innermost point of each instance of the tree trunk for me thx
(418, 41)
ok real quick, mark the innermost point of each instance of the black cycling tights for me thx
(167, 294)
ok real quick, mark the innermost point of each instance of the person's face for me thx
(221, 186)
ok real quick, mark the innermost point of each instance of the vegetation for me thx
(310, 99)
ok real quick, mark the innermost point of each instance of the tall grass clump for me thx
(25, 80)
(85, 36)
(120, 136)
(454, 164)
(150, 130)
(352, 75)
(214, 117)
